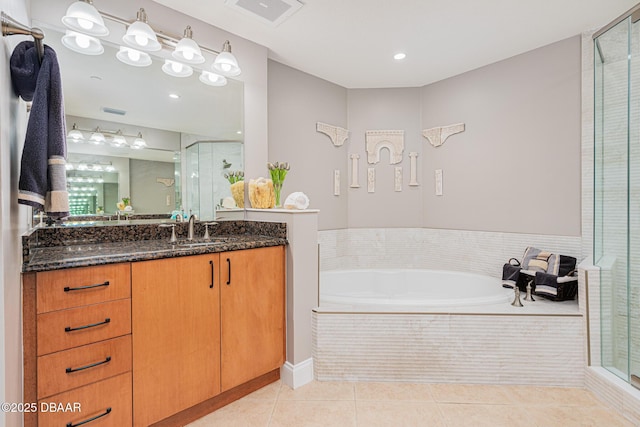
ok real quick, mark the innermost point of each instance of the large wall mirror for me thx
(173, 115)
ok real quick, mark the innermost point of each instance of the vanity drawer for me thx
(87, 364)
(110, 398)
(64, 329)
(75, 287)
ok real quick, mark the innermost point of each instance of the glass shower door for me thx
(612, 192)
(617, 195)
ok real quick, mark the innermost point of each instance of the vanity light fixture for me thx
(83, 17)
(75, 134)
(187, 50)
(140, 38)
(97, 137)
(133, 57)
(118, 140)
(82, 43)
(176, 69)
(225, 63)
(212, 79)
(140, 35)
(139, 143)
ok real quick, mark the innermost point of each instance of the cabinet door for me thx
(252, 296)
(176, 335)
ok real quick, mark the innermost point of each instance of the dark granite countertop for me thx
(45, 249)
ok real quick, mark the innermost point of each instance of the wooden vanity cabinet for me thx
(203, 325)
(161, 341)
(77, 326)
(176, 335)
(252, 313)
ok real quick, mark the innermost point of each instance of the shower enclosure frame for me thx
(616, 231)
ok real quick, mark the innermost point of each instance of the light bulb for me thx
(141, 40)
(188, 55)
(85, 23)
(225, 67)
(83, 41)
(134, 55)
(176, 66)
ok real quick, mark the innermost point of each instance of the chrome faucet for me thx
(192, 221)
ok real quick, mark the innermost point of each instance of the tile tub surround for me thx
(544, 350)
(456, 250)
(46, 248)
(415, 405)
(491, 346)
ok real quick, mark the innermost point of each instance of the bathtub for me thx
(409, 288)
(405, 325)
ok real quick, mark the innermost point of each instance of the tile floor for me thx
(343, 404)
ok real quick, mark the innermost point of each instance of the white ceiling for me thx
(352, 42)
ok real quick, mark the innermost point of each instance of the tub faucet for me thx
(192, 221)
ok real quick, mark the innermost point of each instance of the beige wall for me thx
(296, 102)
(516, 168)
(12, 221)
(385, 109)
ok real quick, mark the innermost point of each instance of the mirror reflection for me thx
(170, 113)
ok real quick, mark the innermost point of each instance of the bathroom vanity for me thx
(145, 332)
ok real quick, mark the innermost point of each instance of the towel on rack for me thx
(43, 182)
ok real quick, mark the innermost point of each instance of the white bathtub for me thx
(409, 288)
(438, 326)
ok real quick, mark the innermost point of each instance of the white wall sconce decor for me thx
(168, 182)
(337, 134)
(86, 24)
(371, 180)
(398, 178)
(354, 170)
(437, 136)
(336, 182)
(413, 180)
(376, 140)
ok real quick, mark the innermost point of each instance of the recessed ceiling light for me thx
(174, 96)
(399, 56)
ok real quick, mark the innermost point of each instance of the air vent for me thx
(272, 12)
(114, 111)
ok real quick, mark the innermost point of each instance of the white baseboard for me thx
(297, 375)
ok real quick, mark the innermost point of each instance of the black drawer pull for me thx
(212, 274)
(93, 365)
(82, 288)
(93, 325)
(106, 412)
(229, 266)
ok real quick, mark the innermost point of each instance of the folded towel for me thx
(43, 182)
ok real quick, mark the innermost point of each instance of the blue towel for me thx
(43, 182)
